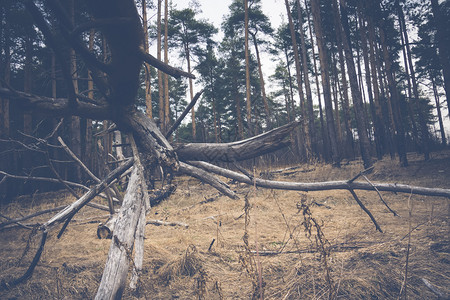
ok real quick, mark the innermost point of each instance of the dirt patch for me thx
(209, 260)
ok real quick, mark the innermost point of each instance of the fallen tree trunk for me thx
(322, 186)
(120, 252)
(241, 150)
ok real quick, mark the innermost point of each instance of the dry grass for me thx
(362, 263)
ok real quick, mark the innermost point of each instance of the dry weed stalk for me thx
(247, 259)
(323, 246)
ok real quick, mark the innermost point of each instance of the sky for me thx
(215, 10)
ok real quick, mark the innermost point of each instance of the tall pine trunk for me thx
(324, 66)
(309, 100)
(247, 73)
(326, 151)
(425, 139)
(356, 93)
(444, 48)
(304, 118)
(148, 90)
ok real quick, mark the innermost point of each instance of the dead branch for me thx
(7, 285)
(108, 191)
(153, 61)
(58, 106)
(323, 186)
(164, 223)
(236, 151)
(42, 212)
(434, 289)
(207, 178)
(72, 209)
(183, 115)
(54, 180)
(364, 208)
(381, 197)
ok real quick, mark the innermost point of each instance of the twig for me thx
(363, 172)
(16, 220)
(405, 281)
(10, 221)
(381, 198)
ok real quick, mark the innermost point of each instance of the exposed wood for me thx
(115, 272)
(236, 151)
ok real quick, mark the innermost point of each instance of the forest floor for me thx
(285, 255)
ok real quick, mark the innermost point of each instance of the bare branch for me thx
(57, 107)
(323, 186)
(183, 115)
(207, 178)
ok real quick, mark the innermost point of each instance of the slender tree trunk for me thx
(27, 118)
(305, 124)
(309, 100)
(148, 90)
(160, 73)
(323, 56)
(373, 110)
(438, 108)
(261, 81)
(425, 140)
(166, 77)
(394, 105)
(89, 142)
(334, 90)
(247, 73)
(324, 132)
(444, 51)
(240, 127)
(75, 128)
(356, 93)
(345, 97)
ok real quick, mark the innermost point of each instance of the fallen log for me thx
(323, 186)
(120, 252)
(241, 150)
